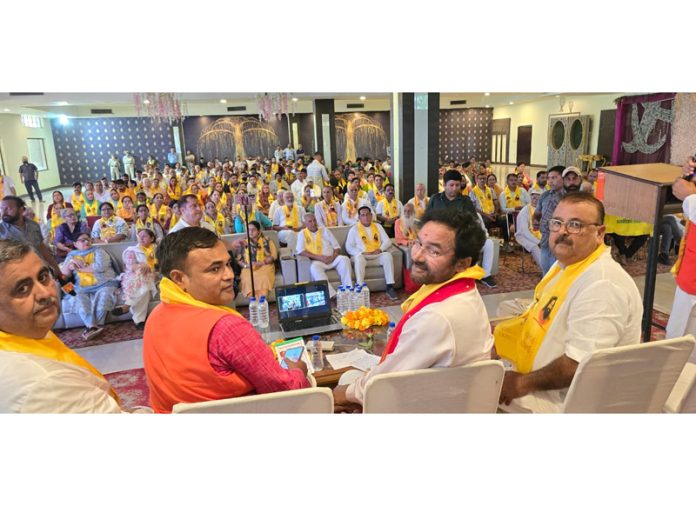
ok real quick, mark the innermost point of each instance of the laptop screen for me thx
(307, 300)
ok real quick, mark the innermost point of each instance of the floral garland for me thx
(364, 318)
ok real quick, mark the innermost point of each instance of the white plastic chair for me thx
(306, 400)
(628, 379)
(473, 388)
(683, 396)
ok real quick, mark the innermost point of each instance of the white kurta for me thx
(320, 213)
(450, 333)
(318, 269)
(525, 237)
(182, 224)
(355, 248)
(317, 173)
(288, 237)
(352, 220)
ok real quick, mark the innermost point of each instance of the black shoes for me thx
(489, 282)
(663, 259)
(391, 293)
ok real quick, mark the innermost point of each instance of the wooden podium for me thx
(639, 192)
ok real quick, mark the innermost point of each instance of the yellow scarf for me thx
(149, 224)
(77, 203)
(391, 210)
(316, 247)
(86, 278)
(174, 194)
(292, 218)
(536, 185)
(682, 247)
(108, 227)
(626, 227)
(306, 201)
(49, 347)
(56, 220)
(535, 233)
(410, 233)
(352, 207)
(218, 223)
(170, 293)
(329, 213)
(512, 200)
(420, 210)
(174, 220)
(260, 251)
(373, 241)
(91, 209)
(149, 255)
(475, 272)
(485, 198)
(379, 196)
(520, 338)
(161, 215)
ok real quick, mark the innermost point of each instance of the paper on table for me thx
(359, 359)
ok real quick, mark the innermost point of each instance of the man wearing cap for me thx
(525, 235)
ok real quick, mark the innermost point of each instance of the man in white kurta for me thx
(448, 333)
(419, 201)
(288, 220)
(328, 210)
(297, 186)
(351, 204)
(378, 254)
(328, 258)
(523, 230)
(602, 309)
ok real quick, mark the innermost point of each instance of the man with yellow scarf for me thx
(525, 235)
(445, 323)
(368, 244)
(419, 201)
(352, 202)
(38, 373)
(328, 210)
(321, 247)
(195, 347)
(288, 220)
(484, 200)
(586, 302)
(388, 210)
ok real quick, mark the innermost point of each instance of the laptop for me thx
(305, 309)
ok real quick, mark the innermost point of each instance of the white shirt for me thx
(317, 173)
(297, 188)
(8, 185)
(119, 224)
(33, 384)
(355, 246)
(603, 309)
(279, 216)
(102, 197)
(381, 204)
(182, 224)
(522, 228)
(320, 213)
(524, 200)
(348, 220)
(422, 204)
(450, 333)
(328, 241)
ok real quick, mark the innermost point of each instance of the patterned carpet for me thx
(131, 387)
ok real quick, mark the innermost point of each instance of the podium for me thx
(640, 192)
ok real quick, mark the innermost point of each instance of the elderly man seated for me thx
(353, 202)
(288, 220)
(368, 244)
(191, 215)
(584, 303)
(445, 323)
(321, 247)
(525, 235)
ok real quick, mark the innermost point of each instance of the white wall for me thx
(537, 115)
(13, 142)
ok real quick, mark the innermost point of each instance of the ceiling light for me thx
(223, 101)
(63, 102)
(294, 99)
(6, 110)
(363, 97)
(487, 94)
(146, 101)
(487, 105)
(511, 103)
(63, 119)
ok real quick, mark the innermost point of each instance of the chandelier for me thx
(272, 104)
(159, 106)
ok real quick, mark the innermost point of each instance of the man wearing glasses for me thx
(584, 303)
(445, 323)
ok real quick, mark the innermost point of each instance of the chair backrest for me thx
(682, 399)
(629, 379)
(341, 234)
(306, 400)
(473, 388)
(115, 251)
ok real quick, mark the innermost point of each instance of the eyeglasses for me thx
(572, 226)
(429, 250)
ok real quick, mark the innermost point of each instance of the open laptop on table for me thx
(305, 309)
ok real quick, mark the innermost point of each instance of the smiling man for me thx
(38, 373)
(585, 302)
(445, 323)
(195, 347)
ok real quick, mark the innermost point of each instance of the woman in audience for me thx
(254, 214)
(68, 232)
(95, 283)
(264, 199)
(308, 200)
(127, 211)
(263, 257)
(158, 210)
(216, 219)
(139, 280)
(57, 197)
(90, 205)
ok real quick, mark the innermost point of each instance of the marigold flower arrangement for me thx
(364, 318)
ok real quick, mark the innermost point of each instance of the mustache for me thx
(421, 266)
(44, 303)
(563, 240)
(573, 187)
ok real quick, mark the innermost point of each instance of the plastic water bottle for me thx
(341, 300)
(253, 312)
(390, 330)
(350, 299)
(317, 354)
(358, 297)
(366, 296)
(263, 316)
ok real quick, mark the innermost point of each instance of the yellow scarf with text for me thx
(330, 214)
(682, 248)
(512, 199)
(77, 202)
(49, 347)
(372, 240)
(314, 246)
(485, 198)
(391, 209)
(520, 338)
(292, 218)
(351, 207)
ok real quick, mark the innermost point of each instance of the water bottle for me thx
(366, 295)
(253, 312)
(358, 297)
(341, 300)
(350, 299)
(390, 330)
(263, 316)
(317, 354)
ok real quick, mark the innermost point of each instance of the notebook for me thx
(305, 309)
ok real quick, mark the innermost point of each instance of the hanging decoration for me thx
(159, 106)
(272, 104)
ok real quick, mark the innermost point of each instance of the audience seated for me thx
(67, 233)
(419, 201)
(328, 210)
(525, 235)
(405, 227)
(288, 220)
(109, 228)
(262, 260)
(388, 210)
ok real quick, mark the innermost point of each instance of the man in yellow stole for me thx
(38, 373)
(585, 302)
(368, 244)
(445, 323)
(195, 347)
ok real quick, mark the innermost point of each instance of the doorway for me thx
(524, 144)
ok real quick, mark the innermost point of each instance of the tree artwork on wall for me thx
(237, 137)
(358, 135)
